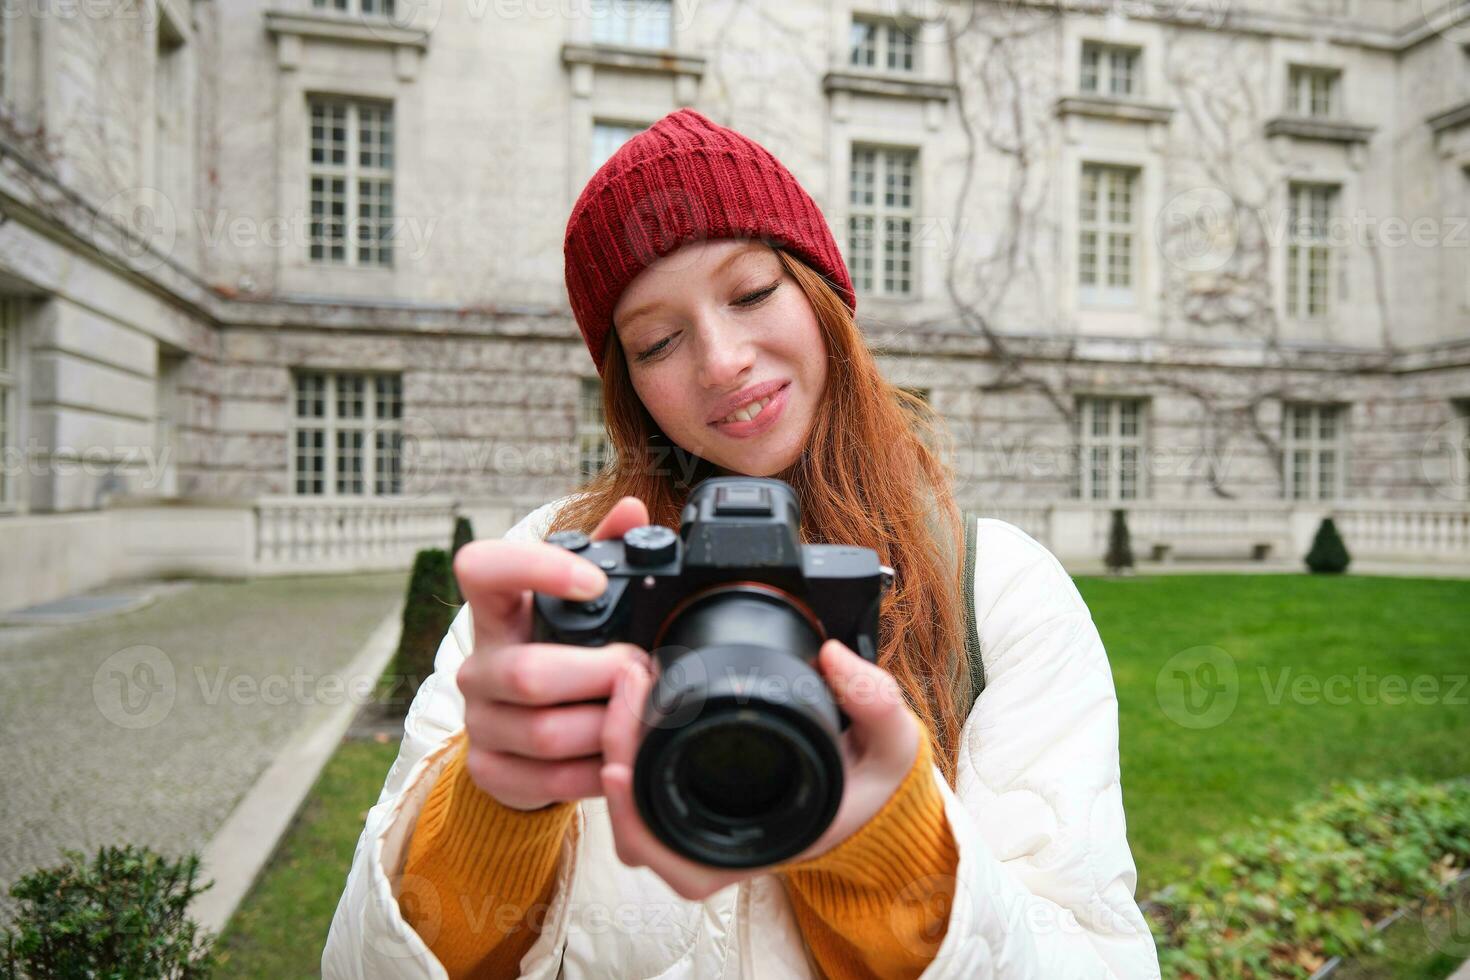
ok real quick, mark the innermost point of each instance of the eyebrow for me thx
(728, 261)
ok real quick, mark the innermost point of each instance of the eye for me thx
(652, 351)
(758, 295)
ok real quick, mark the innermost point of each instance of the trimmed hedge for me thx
(1280, 899)
(121, 914)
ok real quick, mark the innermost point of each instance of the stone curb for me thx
(248, 838)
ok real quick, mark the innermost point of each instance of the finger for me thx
(569, 732)
(622, 725)
(626, 514)
(494, 575)
(637, 847)
(630, 838)
(545, 673)
(868, 694)
(526, 784)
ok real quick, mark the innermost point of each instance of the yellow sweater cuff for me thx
(478, 872)
(878, 903)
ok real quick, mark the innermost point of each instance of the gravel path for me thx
(148, 726)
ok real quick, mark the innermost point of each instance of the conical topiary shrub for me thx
(1328, 553)
(463, 535)
(1120, 550)
(427, 613)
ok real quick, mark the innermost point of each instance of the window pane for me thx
(1099, 472)
(862, 177)
(1326, 474)
(387, 462)
(1089, 75)
(860, 251)
(350, 389)
(389, 392)
(1128, 472)
(310, 461)
(311, 395)
(349, 461)
(863, 44)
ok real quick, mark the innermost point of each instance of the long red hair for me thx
(871, 475)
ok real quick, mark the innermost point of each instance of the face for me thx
(724, 351)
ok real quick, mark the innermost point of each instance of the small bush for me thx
(1328, 554)
(1120, 548)
(121, 915)
(427, 612)
(1282, 898)
(463, 535)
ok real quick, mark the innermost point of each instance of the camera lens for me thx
(738, 771)
(741, 766)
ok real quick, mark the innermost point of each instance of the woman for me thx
(969, 842)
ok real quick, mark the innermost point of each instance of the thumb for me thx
(626, 514)
(868, 694)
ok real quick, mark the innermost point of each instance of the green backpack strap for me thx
(972, 629)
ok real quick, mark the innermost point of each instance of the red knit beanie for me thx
(684, 179)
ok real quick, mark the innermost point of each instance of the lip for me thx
(744, 397)
(767, 418)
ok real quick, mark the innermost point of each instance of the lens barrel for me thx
(741, 765)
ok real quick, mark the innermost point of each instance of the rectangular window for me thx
(351, 174)
(632, 23)
(881, 45)
(882, 214)
(1107, 211)
(1110, 442)
(592, 441)
(1312, 91)
(1313, 444)
(1310, 210)
(1111, 69)
(347, 434)
(9, 341)
(607, 138)
(372, 8)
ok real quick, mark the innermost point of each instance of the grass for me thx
(1276, 746)
(281, 927)
(1281, 742)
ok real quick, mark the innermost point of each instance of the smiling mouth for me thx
(750, 411)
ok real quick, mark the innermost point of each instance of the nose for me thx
(727, 355)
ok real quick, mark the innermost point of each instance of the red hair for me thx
(869, 476)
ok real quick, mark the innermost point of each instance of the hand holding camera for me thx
(534, 711)
(730, 751)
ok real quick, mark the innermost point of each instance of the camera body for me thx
(740, 764)
(734, 529)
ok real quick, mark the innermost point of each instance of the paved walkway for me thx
(147, 727)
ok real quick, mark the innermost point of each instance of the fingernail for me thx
(588, 581)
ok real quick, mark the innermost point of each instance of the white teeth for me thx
(748, 412)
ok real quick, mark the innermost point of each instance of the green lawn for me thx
(280, 928)
(1274, 748)
(1181, 782)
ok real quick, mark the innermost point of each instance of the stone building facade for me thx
(281, 282)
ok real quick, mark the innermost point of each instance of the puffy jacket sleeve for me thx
(1045, 880)
(369, 937)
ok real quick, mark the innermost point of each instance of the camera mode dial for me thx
(651, 544)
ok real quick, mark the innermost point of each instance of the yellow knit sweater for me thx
(876, 905)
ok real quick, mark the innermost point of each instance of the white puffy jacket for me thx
(1046, 877)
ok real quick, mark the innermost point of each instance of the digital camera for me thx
(740, 764)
